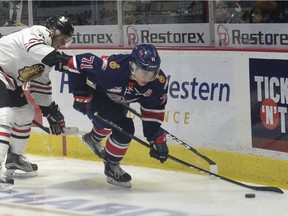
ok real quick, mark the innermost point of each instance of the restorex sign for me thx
(251, 35)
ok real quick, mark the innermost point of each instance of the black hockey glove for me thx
(82, 101)
(54, 117)
(62, 60)
(159, 149)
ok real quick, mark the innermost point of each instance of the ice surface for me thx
(77, 187)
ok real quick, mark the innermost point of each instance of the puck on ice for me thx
(250, 195)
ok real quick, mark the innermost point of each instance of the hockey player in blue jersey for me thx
(113, 80)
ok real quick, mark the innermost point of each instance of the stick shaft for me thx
(46, 129)
(259, 188)
(67, 130)
(175, 138)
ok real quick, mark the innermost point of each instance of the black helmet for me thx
(60, 25)
(146, 57)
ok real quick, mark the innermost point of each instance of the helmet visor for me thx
(144, 75)
(68, 41)
(65, 40)
(61, 41)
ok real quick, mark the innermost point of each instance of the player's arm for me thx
(87, 64)
(82, 93)
(57, 59)
(152, 118)
(38, 45)
(152, 113)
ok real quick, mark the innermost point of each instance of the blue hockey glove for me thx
(82, 101)
(159, 149)
(54, 117)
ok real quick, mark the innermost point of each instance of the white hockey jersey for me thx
(21, 55)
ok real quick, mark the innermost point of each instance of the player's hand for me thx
(55, 118)
(62, 60)
(158, 148)
(82, 101)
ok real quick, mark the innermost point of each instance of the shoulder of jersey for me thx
(161, 77)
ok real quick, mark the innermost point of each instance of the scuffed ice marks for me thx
(85, 206)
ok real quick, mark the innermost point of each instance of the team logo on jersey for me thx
(27, 74)
(161, 79)
(148, 93)
(114, 65)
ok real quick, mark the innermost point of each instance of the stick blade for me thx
(267, 188)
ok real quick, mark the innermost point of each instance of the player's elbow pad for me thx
(50, 59)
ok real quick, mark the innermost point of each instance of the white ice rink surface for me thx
(76, 187)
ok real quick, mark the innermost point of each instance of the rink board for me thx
(217, 99)
(255, 169)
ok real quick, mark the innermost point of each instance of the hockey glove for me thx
(54, 117)
(82, 101)
(62, 60)
(158, 148)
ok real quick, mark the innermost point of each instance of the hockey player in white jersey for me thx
(28, 56)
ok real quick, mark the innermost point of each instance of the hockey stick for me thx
(213, 165)
(257, 188)
(67, 130)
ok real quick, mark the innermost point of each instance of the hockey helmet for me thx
(60, 25)
(146, 57)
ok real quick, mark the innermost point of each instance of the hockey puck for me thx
(250, 195)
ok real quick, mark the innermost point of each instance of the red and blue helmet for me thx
(146, 57)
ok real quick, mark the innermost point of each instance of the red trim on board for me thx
(64, 145)
(270, 144)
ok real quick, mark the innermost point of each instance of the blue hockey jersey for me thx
(111, 74)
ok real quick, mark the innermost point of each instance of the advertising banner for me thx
(96, 35)
(159, 35)
(251, 35)
(200, 98)
(269, 98)
(168, 35)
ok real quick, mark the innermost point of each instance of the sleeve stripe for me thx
(152, 115)
(40, 83)
(152, 120)
(34, 87)
(39, 92)
(33, 42)
(151, 110)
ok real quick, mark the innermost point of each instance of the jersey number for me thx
(87, 63)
